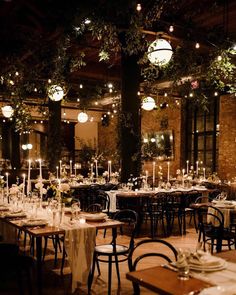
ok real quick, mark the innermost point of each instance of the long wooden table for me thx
(39, 232)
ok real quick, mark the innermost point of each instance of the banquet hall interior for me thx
(118, 147)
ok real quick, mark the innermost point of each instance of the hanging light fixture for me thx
(55, 92)
(7, 111)
(160, 52)
(148, 103)
(82, 117)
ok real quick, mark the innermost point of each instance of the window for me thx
(202, 135)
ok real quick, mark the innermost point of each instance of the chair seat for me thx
(108, 249)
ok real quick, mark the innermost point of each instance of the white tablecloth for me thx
(79, 245)
(112, 194)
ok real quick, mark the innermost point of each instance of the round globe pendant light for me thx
(159, 52)
(148, 103)
(7, 111)
(55, 92)
(82, 117)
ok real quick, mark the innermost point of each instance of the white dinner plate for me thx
(208, 268)
(219, 290)
(95, 216)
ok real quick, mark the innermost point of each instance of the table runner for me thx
(79, 245)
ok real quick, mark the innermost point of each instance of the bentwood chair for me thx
(157, 213)
(157, 249)
(115, 252)
(211, 228)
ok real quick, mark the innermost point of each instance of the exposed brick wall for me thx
(151, 121)
(108, 140)
(227, 137)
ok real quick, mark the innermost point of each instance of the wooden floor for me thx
(56, 284)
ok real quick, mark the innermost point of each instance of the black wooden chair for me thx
(211, 228)
(157, 213)
(114, 252)
(155, 248)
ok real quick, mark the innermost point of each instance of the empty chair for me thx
(158, 249)
(211, 228)
(157, 213)
(115, 252)
(175, 209)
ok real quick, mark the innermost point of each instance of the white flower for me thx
(14, 190)
(64, 187)
(38, 185)
(44, 191)
(105, 174)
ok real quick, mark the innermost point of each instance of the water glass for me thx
(182, 265)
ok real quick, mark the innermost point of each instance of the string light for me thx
(11, 82)
(80, 86)
(197, 45)
(165, 94)
(96, 103)
(138, 7)
(78, 100)
(49, 81)
(17, 73)
(138, 93)
(35, 89)
(219, 58)
(171, 28)
(216, 93)
(87, 21)
(191, 94)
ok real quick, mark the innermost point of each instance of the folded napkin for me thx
(205, 259)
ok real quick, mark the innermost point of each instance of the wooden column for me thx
(54, 134)
(130, 116)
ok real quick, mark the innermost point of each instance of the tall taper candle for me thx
(70, 167)
(187, 164)
(197, 168)
(153, 173)
(28, 180)
(60, 165)
(109, 170)
(168, 171)
(7, 184)
(91, 170)
(96, 168)
(23, 189)
(40, 170)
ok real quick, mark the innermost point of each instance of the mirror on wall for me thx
(158, 145)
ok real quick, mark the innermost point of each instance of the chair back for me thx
(130, 220)
(153, 248)
(210, 218)
(157, 203)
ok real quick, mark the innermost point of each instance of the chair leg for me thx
(117, 268)
(45, 247)
(109, 274)
(98, 267)
(91, 274)
(63, 259)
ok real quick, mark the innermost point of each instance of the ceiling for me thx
(31, 30)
